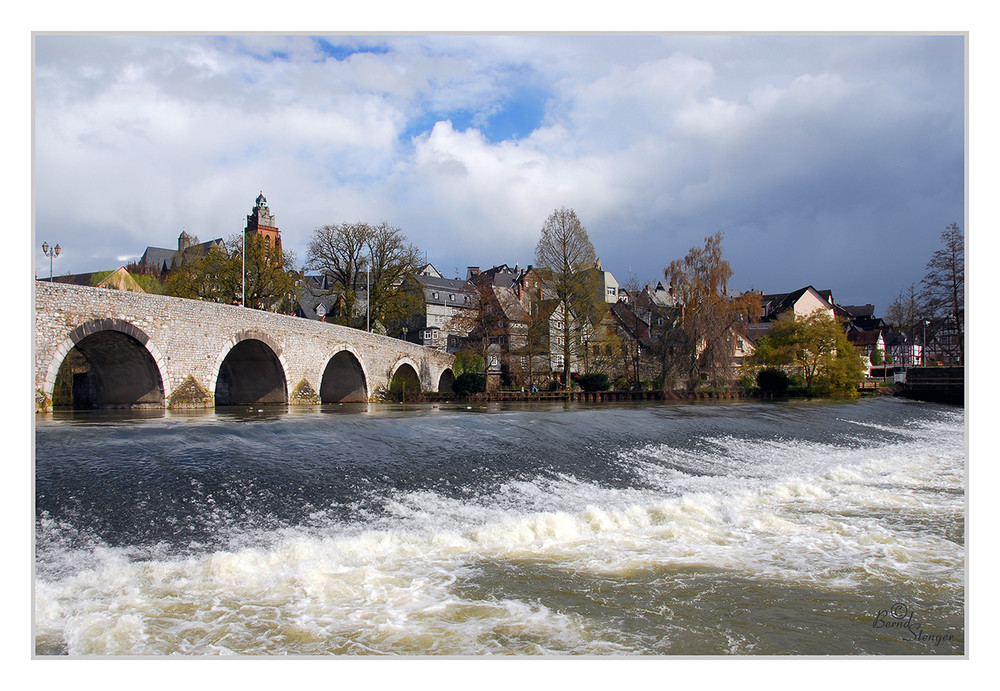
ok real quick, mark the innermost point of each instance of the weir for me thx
(104, 348)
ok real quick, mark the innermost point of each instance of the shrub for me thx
(594, 382)
(467, 362)
(773, 381)
(469, 383)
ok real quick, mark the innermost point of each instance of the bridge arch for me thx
(251, 370)
(446, 380)
(404, 378)
(344, 378)
(107, 363)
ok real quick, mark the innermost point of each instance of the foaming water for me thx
(739, 529)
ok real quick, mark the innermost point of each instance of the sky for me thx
(827, 160)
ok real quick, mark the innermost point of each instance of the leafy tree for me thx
(466, 362)
(269, 280)
(702, 345)
(214, 277)
(565, 253)
(942, 289)
(816, 348)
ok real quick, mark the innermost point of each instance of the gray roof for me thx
(444, 288)
(161, 258)
(158, 258)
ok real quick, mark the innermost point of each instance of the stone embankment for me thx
(935, 384)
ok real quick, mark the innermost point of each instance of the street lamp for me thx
(923, 351)
(51, 254)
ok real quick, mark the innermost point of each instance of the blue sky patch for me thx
(514, 118)
(342, 51)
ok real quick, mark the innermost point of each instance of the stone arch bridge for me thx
(97, 347)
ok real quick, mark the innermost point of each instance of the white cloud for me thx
(654, 141)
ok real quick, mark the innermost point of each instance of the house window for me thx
(434, 295)
(452, 297)
(611, 292)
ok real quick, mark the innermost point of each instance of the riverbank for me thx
(615, 396)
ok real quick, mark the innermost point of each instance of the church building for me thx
(261, 222)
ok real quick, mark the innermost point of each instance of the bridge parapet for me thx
(188, 347)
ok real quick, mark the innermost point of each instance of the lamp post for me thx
(923, 351)
(51, 254)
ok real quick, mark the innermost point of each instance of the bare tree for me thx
(943, 291)
(484, 322)
(565, 251)
(711, 319)
(347, 251)
(632, 328)
(392, 258)
(340, 252)
(904, 312)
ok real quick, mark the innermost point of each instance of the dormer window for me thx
(434, 295)
(452, 297)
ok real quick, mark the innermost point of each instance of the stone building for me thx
(261, 222)
(159, 261)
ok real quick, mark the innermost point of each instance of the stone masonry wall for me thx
(189, 339)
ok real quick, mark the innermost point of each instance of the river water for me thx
(654, 529)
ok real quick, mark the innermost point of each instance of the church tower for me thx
(261, 222)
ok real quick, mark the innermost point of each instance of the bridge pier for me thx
(132, 349)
